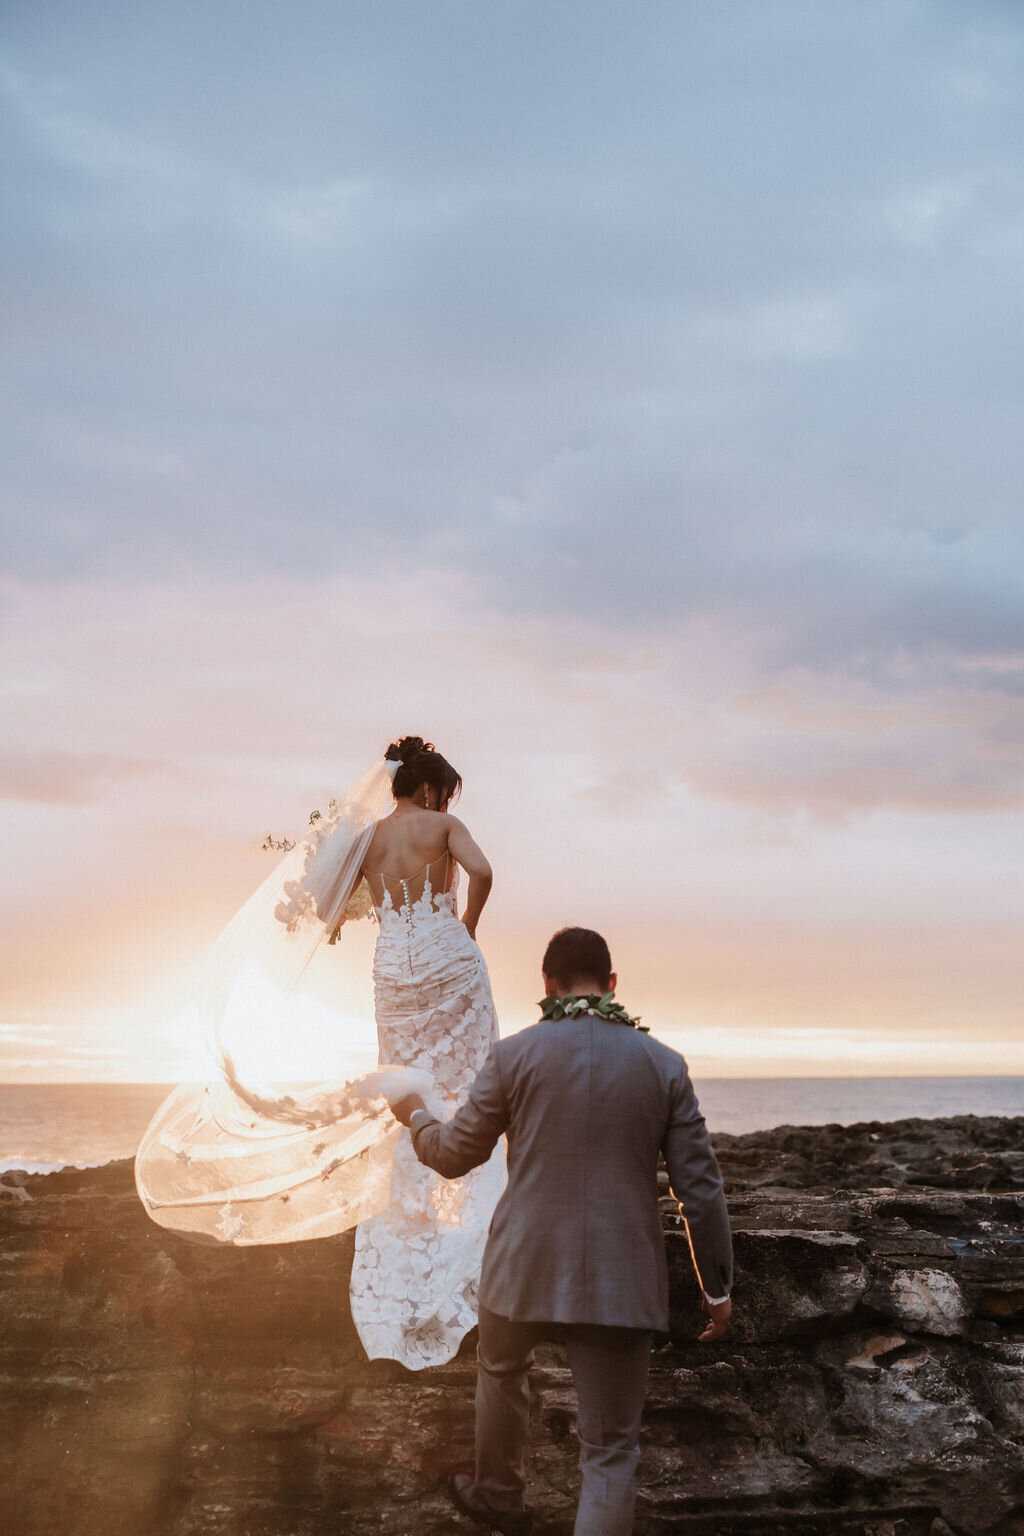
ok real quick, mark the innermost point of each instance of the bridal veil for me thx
(233, 1160)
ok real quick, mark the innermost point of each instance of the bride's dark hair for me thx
(422, 763)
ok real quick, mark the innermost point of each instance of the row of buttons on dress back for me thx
(407, 907)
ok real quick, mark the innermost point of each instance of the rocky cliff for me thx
(872, 1383)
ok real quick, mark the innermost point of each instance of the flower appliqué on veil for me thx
(231, 1226)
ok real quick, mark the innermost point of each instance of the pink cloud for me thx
(649, 787)
(53, 777)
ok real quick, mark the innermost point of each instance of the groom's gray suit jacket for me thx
(586, 1106)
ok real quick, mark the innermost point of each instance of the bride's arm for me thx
(464, 851)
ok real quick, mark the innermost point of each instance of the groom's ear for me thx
(613, 981)
(552, 988)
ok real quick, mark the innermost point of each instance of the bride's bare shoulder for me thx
(464, 847)
(456, 829)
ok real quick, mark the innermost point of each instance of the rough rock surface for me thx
(872, 1383)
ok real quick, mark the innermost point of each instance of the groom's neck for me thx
(579, 986)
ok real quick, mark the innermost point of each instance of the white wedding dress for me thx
(416, 1270)
(234, 1160)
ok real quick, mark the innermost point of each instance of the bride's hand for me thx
(469, 927)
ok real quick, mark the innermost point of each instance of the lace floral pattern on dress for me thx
(417, 1265)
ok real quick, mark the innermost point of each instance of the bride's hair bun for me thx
(422, 763)
(405, 750)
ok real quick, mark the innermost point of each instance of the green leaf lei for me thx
(571, 1007)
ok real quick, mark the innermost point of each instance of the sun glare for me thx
(275, 1039)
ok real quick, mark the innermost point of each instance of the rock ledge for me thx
(873, 1382)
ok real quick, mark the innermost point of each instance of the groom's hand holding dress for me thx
(404, 1109)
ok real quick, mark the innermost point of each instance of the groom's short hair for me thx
(577, 952)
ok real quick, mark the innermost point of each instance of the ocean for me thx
(44, 1126)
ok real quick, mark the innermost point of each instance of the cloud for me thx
(926, 213)
(805, 749)
(736, 840)
(53, 777)
(664, 324)
(242, 690)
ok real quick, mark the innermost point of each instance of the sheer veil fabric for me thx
(233, 1161)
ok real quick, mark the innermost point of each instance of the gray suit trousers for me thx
(609, 1370)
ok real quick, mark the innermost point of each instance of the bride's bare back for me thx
(413, 845)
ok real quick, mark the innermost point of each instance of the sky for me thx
(626, 397)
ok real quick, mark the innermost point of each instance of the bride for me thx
(233, 1161)
(417, 1263)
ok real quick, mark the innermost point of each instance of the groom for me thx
(587, 1102)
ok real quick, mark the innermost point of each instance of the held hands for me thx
(403, 1109)
(719, 1313)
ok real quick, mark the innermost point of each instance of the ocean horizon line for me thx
(90, 1122)
(718, 1077)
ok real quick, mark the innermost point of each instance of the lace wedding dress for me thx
(417, 1264)
(233, 1160)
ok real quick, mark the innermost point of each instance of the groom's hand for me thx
(404, 1109)
(719, 1313)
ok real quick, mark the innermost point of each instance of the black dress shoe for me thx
(509, 1523)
